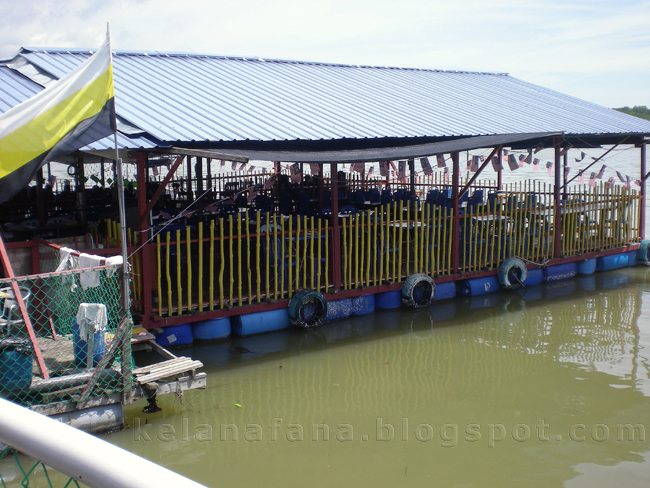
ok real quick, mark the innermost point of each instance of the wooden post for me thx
(455, 228)
(190, 195)
(557, 221)
(500, 173)
(143, 225)
(412, 176)
(9, 272)
(336, 237)
(642, 194)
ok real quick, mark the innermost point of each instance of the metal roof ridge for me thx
(171, 54)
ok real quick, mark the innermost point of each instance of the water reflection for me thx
(538, 387)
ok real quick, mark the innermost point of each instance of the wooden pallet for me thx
(172, 367)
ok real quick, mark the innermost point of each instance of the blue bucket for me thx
(15, 364)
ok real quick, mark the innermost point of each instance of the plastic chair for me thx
(9, 309)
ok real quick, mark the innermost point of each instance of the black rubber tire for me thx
(410, 298)
(508, 267)
(643, 254)
(300, 314)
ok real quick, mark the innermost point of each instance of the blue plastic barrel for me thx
(613, 261)
(388, 300)
(338, 309)
(15, 364)
(209, 330)
(535, 277)
(478, 286)
(632, 257)
(586, 266)
(260, 322)
(363, 305)
(444, 291)
(175, 335)
(80, 347)
(560, 272)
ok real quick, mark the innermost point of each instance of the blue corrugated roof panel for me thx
(183, 97)
(15, 88)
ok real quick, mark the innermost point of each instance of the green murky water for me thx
(551, 388)
(548, 389)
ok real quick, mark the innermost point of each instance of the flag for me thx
(512, 162)
(75, 111)
(251, 169)
(538, 148)
(522, 159)
(446, 173)
(592, 179)
(496, 164)
(358, 167)
(440, 158)
(270, 182)
(401, 170)
(296, 173)
(600, 173)
(223, 163)
(565, 150)
(315, 168)
(371, 171)
(621, 177)
(628, 182)
(637, 182)
(567, 170)
(582, 156)
(252, 193)
(234, 166)
(426, 166)
(383, 168)
(609, 183)
(505, 152)
(474, 167)
(581, 176)
(527, 159)
(549, 166)
(535, 164)
(155, 170)
(243, 165)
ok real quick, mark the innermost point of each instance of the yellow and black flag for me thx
(75, 111)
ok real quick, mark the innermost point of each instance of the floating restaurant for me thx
(267, 193)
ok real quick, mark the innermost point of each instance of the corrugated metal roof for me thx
(184, 97)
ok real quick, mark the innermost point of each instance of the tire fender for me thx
(643, 253)
(414, 299)
(511, 269)
(307, 309)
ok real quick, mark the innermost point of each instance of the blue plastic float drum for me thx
(175, 335)
(210, 330)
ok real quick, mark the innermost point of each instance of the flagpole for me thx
(120, 198)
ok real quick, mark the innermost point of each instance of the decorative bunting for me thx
(426, 166)
(243, 165)
(474, 166)
(637, 182)
(251, 169)
(581, 176)
(521, 160)
(549, 166)
(234, 166)
(621, 177)
(535, 164)
(383, 169)
(628, 182)
(538, 148)
(223, 163)
(610, 183)
(600, 173)
(496, 164)
(251, 194)
(401, 175)
(565, 150)
(592, 179)
(296, 173)
(440, 158)
(527, 159)
(155, 171)
(445, 173)
(314, 168)
(567, 170)
(270, 182)
(512, 162)
(582, 156)
(371, 171)
(358, 167)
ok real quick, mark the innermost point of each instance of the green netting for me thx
(52, 357)
(19, 470)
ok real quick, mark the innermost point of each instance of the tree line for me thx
(638, 111)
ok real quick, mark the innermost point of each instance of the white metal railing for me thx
(81, 456)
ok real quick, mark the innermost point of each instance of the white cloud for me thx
(576, 45)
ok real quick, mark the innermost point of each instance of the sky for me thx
(597, 50)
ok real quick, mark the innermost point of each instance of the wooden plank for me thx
(151, 367)
(169, 371)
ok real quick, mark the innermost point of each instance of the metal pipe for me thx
(643, 194)
(81, 456)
